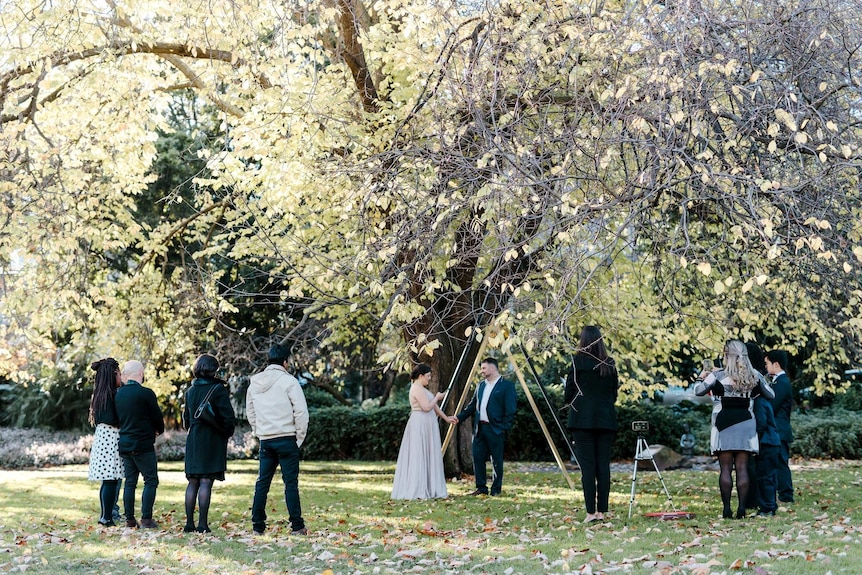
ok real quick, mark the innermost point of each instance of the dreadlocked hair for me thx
(105, 385)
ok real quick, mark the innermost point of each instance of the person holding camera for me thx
(733, 437)
(591, 392)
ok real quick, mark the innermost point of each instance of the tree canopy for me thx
(401, 174)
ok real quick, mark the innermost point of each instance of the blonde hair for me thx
(738, 367)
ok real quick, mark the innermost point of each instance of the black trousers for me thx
(593, 450)
(768, 462)
(487, 444)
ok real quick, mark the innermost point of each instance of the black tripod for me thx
(643, 453)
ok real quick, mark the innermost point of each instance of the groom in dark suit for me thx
(493, 411)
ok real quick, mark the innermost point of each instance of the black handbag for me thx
(205, 412)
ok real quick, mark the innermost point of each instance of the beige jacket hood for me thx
(275, 405)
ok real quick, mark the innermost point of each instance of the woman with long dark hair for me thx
(733, 436)
(206, 444)
(106, 465)
(419, 471)
(591, 392)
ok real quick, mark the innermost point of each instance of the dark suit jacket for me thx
(767, 431)
(593, 407)
(140, 418)
(781, 405)
(501, 407)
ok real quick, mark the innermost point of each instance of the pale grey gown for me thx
(419, 472)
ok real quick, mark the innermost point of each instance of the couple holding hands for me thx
(419, 471)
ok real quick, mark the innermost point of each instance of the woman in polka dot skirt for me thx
(105, 462)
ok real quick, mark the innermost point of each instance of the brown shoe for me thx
(131, 523)
(303, 531)
(479, 492)
(149, 523)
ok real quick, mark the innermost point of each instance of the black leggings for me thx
(200, 490)
(728, 461)
(107, 499)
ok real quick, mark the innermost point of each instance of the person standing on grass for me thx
(278, 414)
(493, 410)
(419, 471)
(206, 445)
(141, 422)
(782, 405)
(768, 458)
(591, 393)
(733, 437)
(106, 465)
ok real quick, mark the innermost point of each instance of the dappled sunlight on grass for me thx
(534, 527)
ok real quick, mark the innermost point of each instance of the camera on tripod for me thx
(640, 426)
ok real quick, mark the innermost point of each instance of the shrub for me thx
(34, 448)
(56, 401)
(29, 448)
(830, 432)
(352, 433)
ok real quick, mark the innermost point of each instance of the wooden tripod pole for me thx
(483, 345)
(541, 421)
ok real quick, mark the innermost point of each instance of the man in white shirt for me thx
(493, 410)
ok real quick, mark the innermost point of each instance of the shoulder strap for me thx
(200, 407)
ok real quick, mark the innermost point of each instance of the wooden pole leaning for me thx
(541, 421)
(483, 345)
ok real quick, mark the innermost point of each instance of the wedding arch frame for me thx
(483, 346)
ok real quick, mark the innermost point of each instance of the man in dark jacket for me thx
(493, 411)
(768, 458)
(140, 422)
(782, 404)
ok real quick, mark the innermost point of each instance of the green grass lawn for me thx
(48, 525)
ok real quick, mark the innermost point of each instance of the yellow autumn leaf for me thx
(786, 118)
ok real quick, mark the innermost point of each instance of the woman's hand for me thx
(439, 397)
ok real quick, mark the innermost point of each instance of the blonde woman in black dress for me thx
(733, 437)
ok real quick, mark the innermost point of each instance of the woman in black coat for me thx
(591, 392)
(206, 444)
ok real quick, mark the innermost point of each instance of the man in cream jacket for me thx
(278, 414)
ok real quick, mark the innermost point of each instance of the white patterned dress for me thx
(105, 461)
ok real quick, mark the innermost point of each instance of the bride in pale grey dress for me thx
(419, 471)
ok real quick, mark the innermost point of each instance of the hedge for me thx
(337, 433)
(375, 434)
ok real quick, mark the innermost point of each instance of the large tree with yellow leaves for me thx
(677, 172)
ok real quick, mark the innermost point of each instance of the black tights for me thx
(107, 498)
(200, 490)
(727, 461)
